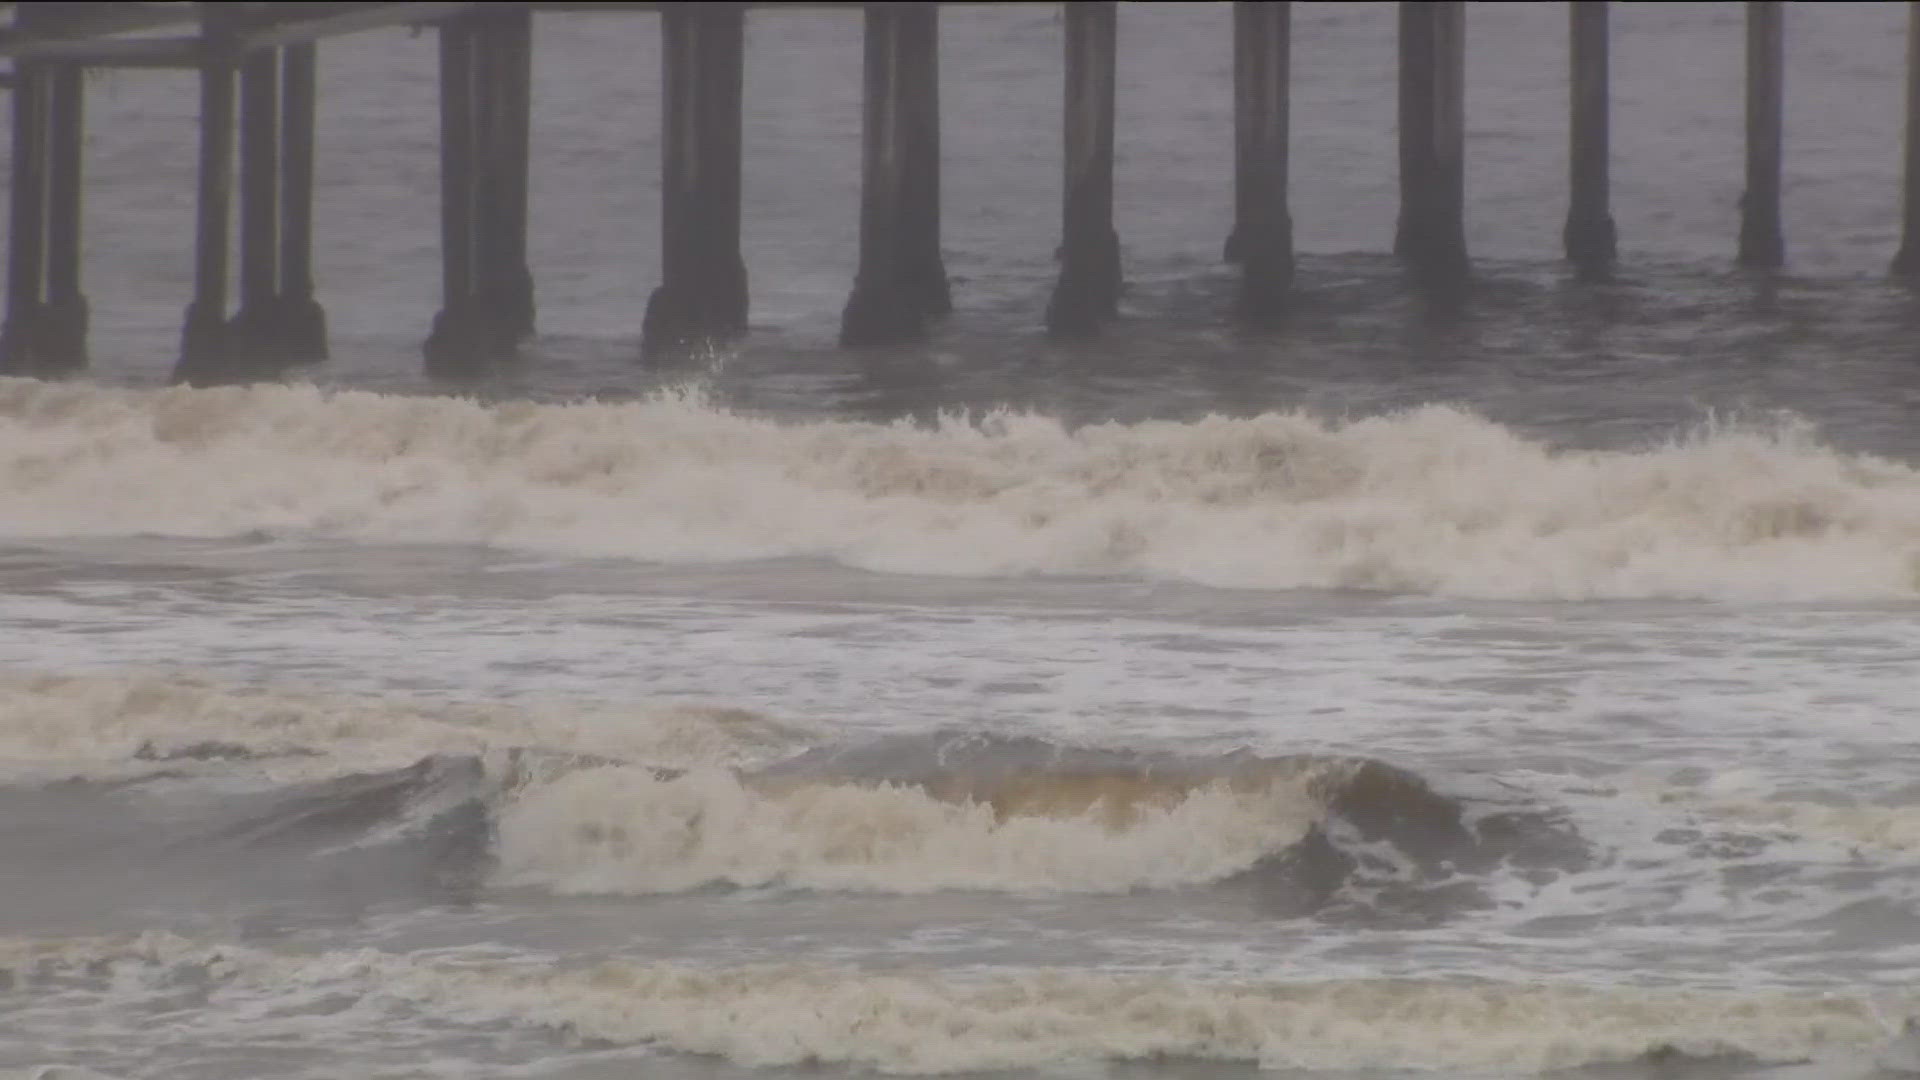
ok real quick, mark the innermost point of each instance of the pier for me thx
(257, 303)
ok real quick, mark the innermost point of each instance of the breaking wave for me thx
(670, 798)
(957, 811)
(1434, 500)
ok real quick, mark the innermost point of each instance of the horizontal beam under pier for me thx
(167, 52)
(287, 31)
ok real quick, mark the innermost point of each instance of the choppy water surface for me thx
(1518, 688)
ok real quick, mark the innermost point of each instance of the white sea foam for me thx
(624, 830)
(1434, 500)
(110, 724)
(927, 1023)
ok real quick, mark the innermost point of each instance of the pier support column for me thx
(21, 338)
(455, 347)
(1088, 291)
(63, 339)
(1262, 238)
(485, 103)
(921, 261)
(1761, 243)
(505, 84)
(902, 280)
(254, 331)
(45, 333)
(1432, 233)
(206, 352)
(302, 322)
(1907, 262)
(702, 297)
(1589, 236)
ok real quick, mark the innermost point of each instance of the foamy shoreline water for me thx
(916, 1023)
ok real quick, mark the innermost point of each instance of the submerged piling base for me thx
(20, 339)
(1266, 269)
(1088, 292)
(468, 343)
(46, 340)
(692, 316)
(882, 313)
(208, 356)
(301, 324)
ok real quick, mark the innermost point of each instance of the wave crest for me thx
(1432, 500)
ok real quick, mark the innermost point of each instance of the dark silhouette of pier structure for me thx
(257, 105)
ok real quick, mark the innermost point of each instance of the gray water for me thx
(1519, 687)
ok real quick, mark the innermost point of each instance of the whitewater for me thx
(656, 736)
(1431, 501)
(1517, 685)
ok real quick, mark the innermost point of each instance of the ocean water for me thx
(1528, 687)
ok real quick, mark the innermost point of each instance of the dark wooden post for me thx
(1432, 233)
(668, 324)
(1761, 243)
(921, 262)
(877, 313)
(20, 339)
(502, 91)
(723, 65)
(1088, 291)
(1416, 125)
(253, 332)
(205, 351)
(454, 347)
(902, 279)
(1907, 262)
(1589, 235)
(64, 336)
(702, 296)
(303, 324)
(1245, 115)
(1262, 238)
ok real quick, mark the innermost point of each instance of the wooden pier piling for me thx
(922, 263)
(1589, 237)
(45, 333)
(1761, 243)
(206, 353)
(254, 333)
(302, 321)
(21, 337)
(1088, 291)
(503, 280)
(485, 102)
(1262, 238)
(1431, 237)
(63, 336)
(902, 280)
(1907, 262)
(702, 296)
(455, 347)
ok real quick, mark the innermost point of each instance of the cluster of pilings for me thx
(278, 322)
(45, 333)
(486, 95)
(260, 59)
